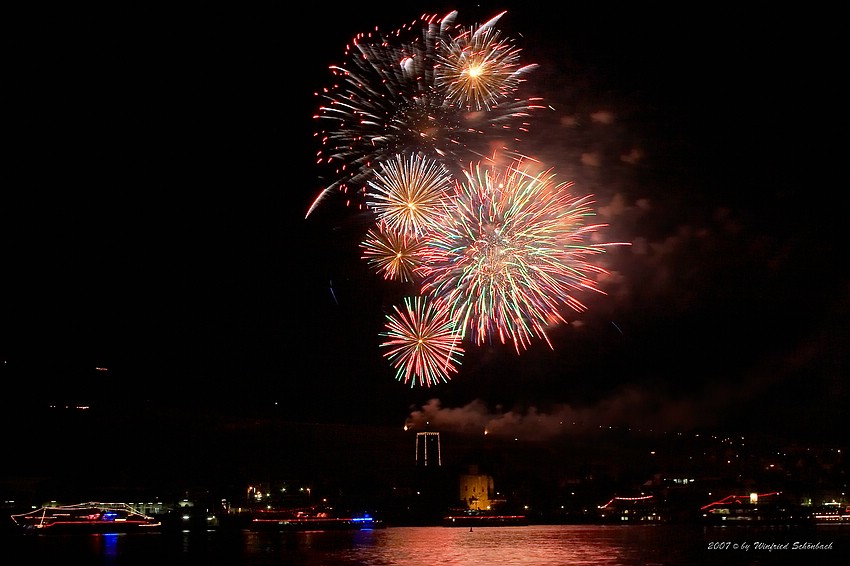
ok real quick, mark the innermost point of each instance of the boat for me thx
(311, 520)
(638, 509)
(762, 508)
(483, 519)
(90, 517)
(832, 513)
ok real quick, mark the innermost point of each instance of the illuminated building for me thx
(475, 489)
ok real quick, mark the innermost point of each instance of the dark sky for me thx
(159, 165)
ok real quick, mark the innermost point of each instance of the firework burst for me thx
(408, 193)
(391, 253)
(498, 251)
(388, 101)
(510, 254)
(422, 342)
(479, 68)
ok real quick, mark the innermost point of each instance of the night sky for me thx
(158, 167)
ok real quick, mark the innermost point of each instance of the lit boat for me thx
(753, 508)
(832, 513)
(484, 519)
(311, 520)
(89, 517)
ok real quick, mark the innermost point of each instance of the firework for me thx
(407, 193)
(388, 102)
(510, 254)
(391, 253)
(423, 345)
(479, 68)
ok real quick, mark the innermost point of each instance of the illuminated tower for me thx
(428, 449)
(475, 489)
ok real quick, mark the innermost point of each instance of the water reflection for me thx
(507, 545)
(110, 545)
(536, 545)
(591, 545)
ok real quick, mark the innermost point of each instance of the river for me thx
(543, 545)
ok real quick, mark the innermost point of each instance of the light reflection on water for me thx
(591, 545)
(506, 545)
(579, 545)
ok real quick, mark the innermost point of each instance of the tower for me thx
(475, 489)
(428, 449)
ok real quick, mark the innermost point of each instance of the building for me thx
(476, 489)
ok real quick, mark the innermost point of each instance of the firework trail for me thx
(510, 253)
(423, 344)
(391, 253)
(388, 100)
(408, 194)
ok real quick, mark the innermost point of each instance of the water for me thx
(604, 545)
